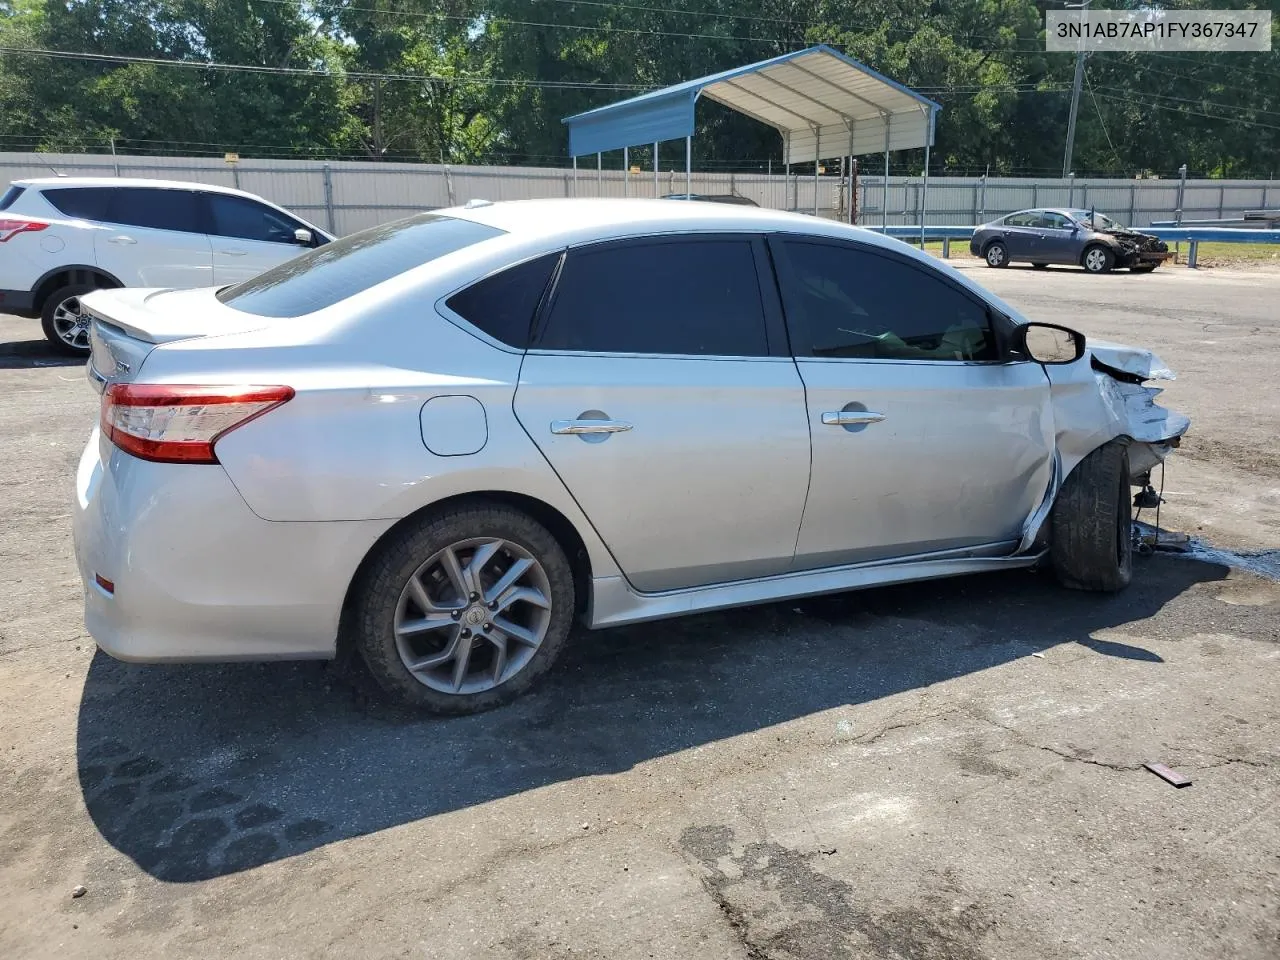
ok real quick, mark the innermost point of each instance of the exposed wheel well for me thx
(64, 276)
(556, 523)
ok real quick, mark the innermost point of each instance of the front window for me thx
(1096, 220)
(341, 269)
(855, 304)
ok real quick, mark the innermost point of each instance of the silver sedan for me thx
(442, 441)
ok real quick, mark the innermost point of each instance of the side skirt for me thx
(613, 602)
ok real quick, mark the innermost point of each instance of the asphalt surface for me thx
(947, 770)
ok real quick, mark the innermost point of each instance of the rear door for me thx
(924, 438)
(153, 237)
(660, 389)
(248, 237)
(1020, 235)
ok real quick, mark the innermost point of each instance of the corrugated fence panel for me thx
(353, 195)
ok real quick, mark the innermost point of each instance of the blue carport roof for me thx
(823, 104)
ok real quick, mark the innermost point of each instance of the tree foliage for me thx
(476, 81)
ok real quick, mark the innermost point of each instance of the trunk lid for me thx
(129, 323)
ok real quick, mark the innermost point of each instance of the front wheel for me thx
(1092, 523)
(463, 611)
(65, 324)
(997, 254)
(1098, 259)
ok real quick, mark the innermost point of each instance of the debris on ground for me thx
(1168, 774)
(79, 892)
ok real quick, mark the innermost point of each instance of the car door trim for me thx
(612, 601)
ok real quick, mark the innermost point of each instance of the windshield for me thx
(1099, 221)
(343, 268)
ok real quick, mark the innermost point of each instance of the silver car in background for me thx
(1073, 237)
(443, 440)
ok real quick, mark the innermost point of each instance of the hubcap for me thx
(473, 615)
(71, 324)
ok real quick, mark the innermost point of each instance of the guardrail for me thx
(1193, 236)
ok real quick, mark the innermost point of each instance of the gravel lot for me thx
(948, 770)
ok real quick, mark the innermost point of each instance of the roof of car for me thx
(128, 182)
(576, 216)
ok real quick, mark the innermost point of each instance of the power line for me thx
(307, 72)
(1191, 113)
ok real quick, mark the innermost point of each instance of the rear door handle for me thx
(121, 238)
(580, 427)
(231, 253)
(845, 418)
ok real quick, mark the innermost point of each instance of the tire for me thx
(385, 598)
(1040, 266)
(996, 254)
(61, 320)
(1097, 259)
(1092, 526)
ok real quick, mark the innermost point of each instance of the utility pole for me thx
(1075, 98)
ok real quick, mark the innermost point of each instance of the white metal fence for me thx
(346, 196)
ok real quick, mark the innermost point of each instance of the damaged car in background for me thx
(1082, 238)
(438, 443)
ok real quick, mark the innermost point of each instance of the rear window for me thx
(10, 195)
(82, 203)
(338, 270)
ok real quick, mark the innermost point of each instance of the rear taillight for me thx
(12, 226)
(174, 423)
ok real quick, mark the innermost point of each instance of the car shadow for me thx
(200, 771)
(35, 353)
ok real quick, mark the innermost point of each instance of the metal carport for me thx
(823, 103)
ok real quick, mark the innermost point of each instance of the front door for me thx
(924, 440)
(660, 390)
(1058, 241)
(248, 237)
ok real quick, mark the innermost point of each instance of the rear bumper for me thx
(195, 574)
(18, 302)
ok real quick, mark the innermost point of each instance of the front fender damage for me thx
(1100, 397)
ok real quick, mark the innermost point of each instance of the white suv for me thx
(63, 237)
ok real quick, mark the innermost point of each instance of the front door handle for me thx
(121, 238)
(588, 427)
(845, 418)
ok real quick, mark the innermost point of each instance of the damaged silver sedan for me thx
(440, 442)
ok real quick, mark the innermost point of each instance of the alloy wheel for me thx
(71, 323)
(995, 255)
(473, 616)
(1095, 260)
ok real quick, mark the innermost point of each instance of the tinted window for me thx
(10, 195)
(846, 302)
(697, 297)
(248, 220)
(156, 209)
(335, 271)
(83, 203)
(1021, 220)
(503, 305)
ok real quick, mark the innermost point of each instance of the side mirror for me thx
(1075, 228)
(1049, 343)
(303, 236)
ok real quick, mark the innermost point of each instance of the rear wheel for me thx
(996, 254)
(1092, 523)
(64, 323)
(465, 610)
(1098, 259)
